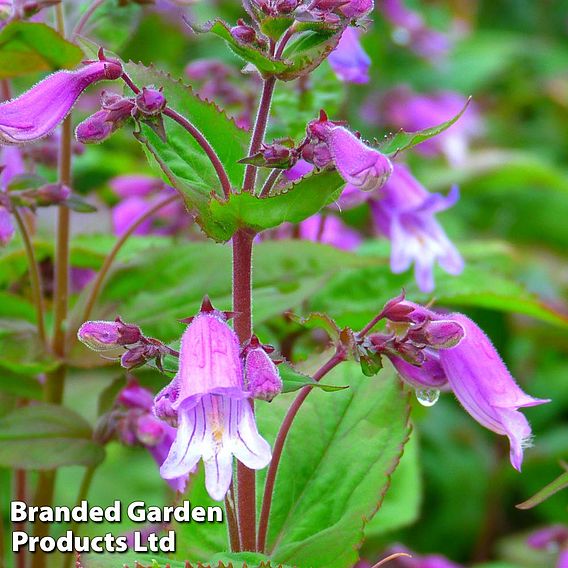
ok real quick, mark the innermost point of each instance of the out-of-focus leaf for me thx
(128, 560)
(546, 492)
(45, 436)
(335, 468)
(27, 47)
(21, 386)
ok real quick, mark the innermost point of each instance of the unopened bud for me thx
(150, 101)
(94, 129)
(263, 378)
(440, 334)
(52, 194)
(106, 335)
(135, 396)
(149, 430)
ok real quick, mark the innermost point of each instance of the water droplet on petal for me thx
(427, 397)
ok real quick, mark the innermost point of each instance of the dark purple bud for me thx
(94, 129)
(440, 334)
(135, 357)
(52, 194)
(150, 101)
(286, 6)
(244, 33)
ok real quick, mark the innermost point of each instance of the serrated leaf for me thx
(45, 436)
(302, 55)
(295, 203)
(335, 467)
(27, 47)
(181, 154)
(405, 140)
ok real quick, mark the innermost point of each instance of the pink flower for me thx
(38, 111)
(214, 418)
(484, 386)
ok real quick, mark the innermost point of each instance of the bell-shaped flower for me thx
(215, 420)
(349, 60)
(484, 386)
(405, 213)
(359, 165)
(427, 375)
(38, 111)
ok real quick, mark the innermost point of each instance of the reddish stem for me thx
(242, 305)
(207, 148)
(337, 358)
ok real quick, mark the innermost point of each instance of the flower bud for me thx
(163, 403)
(94, 129)
(52, 194)
(263, 378)
(135, 396)
(243, 32)
(150, 101)
(135, 357)
(440, 334)
(106, 335)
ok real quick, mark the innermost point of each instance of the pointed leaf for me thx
(553, 487)
(405, 140)
(293, 380)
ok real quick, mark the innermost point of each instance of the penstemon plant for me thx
(299, 478)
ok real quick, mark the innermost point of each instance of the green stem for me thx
(35, 278)
(83, 493)
(99, 281)
(86, 17)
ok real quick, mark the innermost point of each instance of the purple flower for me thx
(139, 426)
(330, 230)
(214, 417)
(262, 376)
(358, 164)
(349, 60)
(405, 213)
(126, 212)
(418, 561)
(411, 30)
(410, 111)
(12, 165)
(7, 228)
(482, 383)
(427, 375)
(356, 8)
(135, 185)
(37, 112)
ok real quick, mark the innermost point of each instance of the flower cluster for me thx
(208, 403)
(441, 351)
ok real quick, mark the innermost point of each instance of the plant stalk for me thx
(242, 306)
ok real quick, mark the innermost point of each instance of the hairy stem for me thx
(242, 306)
(86, 17)
(269, 183)
(207, 148)
(259, 131)
(55, 381)
(337, 358)
(100, 278)
(35, 278)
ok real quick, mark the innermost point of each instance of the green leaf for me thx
(297, 202)
(335, 468)
(27, 47)
(401, 505)
(128, 560)
(553, 487)
(286, 273)
(46, 436)
(302, 55)
(183, 157)
(405, 140)
(21, 386)
(293, 380)
(354, 296)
